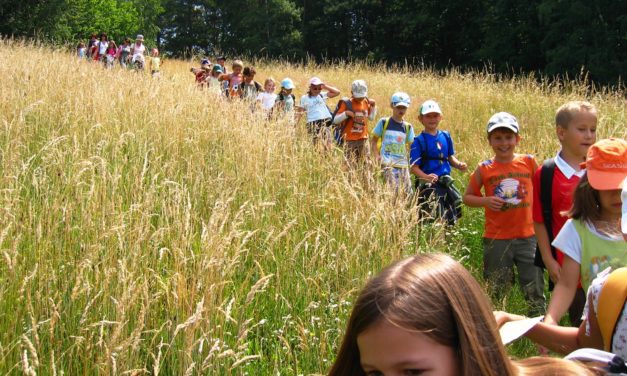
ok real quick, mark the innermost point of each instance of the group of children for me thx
(129, 55)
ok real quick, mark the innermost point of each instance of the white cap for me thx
(503, 120)
(400, 99)
(315, 81)
(429, 107)
(359, 89)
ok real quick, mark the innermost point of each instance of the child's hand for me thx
(432, 178)
(554, 269)
(349, 113)
(462, 166)
(372, 102)
(503, 317)
(494, 203)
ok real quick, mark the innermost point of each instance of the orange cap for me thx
(606, 164)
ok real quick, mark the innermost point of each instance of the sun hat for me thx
(606, 164)
(287, 83)
(218, 68)
(140, 37)
(400, 99)
(430, 106)
(359, 89)
(503, 120)
(205, 62)
(315, 81)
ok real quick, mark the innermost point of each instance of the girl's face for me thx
(237, 69)
(269, 87)
(611, 204)
(387, 350)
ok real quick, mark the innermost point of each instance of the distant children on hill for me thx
(553, 186)
(396, 137)
(432, 156)
(508, 239)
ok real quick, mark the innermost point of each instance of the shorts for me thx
(356, 150)
(398, 179)
(319, 130)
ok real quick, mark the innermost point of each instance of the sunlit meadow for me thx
(147, 227)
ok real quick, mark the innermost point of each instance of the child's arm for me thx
(550, 263)
(342, 113)
(332, 91)
(430, 178)
(564, 291)
(473, 198)
(374, 140)
(224, 77)
(373, 109)
(456, 163)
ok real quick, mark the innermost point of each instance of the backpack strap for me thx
(611, 304)
(546, 198)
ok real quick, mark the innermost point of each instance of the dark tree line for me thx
(554, 37)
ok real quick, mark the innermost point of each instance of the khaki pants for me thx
(499, 258)
(356, 150)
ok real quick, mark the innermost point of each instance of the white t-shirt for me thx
(138, 52)
(267, 100)
(619, 342)
(316, 107)
(102, 47)
(569, 242)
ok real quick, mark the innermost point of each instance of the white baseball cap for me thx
(359, 89)
(315, 81)
(430, 106)
(503, 120)
(400, 99)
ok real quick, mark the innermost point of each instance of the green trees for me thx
(553, 37)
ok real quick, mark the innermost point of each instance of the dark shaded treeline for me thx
(553, 37)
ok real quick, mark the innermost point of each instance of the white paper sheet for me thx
(514, 329)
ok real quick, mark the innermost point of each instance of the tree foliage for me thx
(553, 37)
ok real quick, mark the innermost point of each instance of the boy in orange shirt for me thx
(352, 116)
(508, 238)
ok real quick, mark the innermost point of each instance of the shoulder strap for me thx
(449, 141)
(546, 198)
(611, 304)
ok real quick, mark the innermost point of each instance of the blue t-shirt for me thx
(394, 142)
(438, 149)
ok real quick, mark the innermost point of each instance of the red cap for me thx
(606, 164)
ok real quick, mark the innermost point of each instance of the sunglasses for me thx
(319, 87)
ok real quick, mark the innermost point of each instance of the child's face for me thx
(503, 141)
(286, 91)
(221, 62)
(237, 69)
(387, 350)
(611, 204)
(580, 133)
(399, 111)
(430, 121)
(269, 87)
(248, 79)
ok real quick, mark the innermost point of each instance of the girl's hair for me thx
(269, 80)
(237, 63)
(103, 35)
(249, 71)
(543, 365)
(434, 295)
(586, 202)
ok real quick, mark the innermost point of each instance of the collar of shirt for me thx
(566, 169)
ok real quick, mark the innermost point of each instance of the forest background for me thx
(555, 38)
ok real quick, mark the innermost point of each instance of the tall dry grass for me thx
(150, 228)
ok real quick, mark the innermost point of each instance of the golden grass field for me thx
(147, 227)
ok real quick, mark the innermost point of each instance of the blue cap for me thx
(287, 83)
(400, 99)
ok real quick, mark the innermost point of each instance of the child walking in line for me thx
(155, 63)
(553, 186)
(591, 240)
(508, 237)
(267, 98)
(249, 89)
(432, 156)
(112, 51)
(81, 50)
(138, 50)
(396, 136)
(124, 52)
(427, 315)
(100, 48)
(213, 84)
(351, 119)
(285, 101)
(234, 79)
(201, 74)
(318, 114)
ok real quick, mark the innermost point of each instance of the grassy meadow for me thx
(147, 227)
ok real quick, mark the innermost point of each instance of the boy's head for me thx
(155, 52)
(400, 101)
(576, 124)
(249, 74)
(103, 36)
(430, 115)
(503, 134)
(359, 89)
(221, 60)
(287, 85)
(237, 66)
(217, 70)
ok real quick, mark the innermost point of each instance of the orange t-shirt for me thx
(356, 128)
(513, 182)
